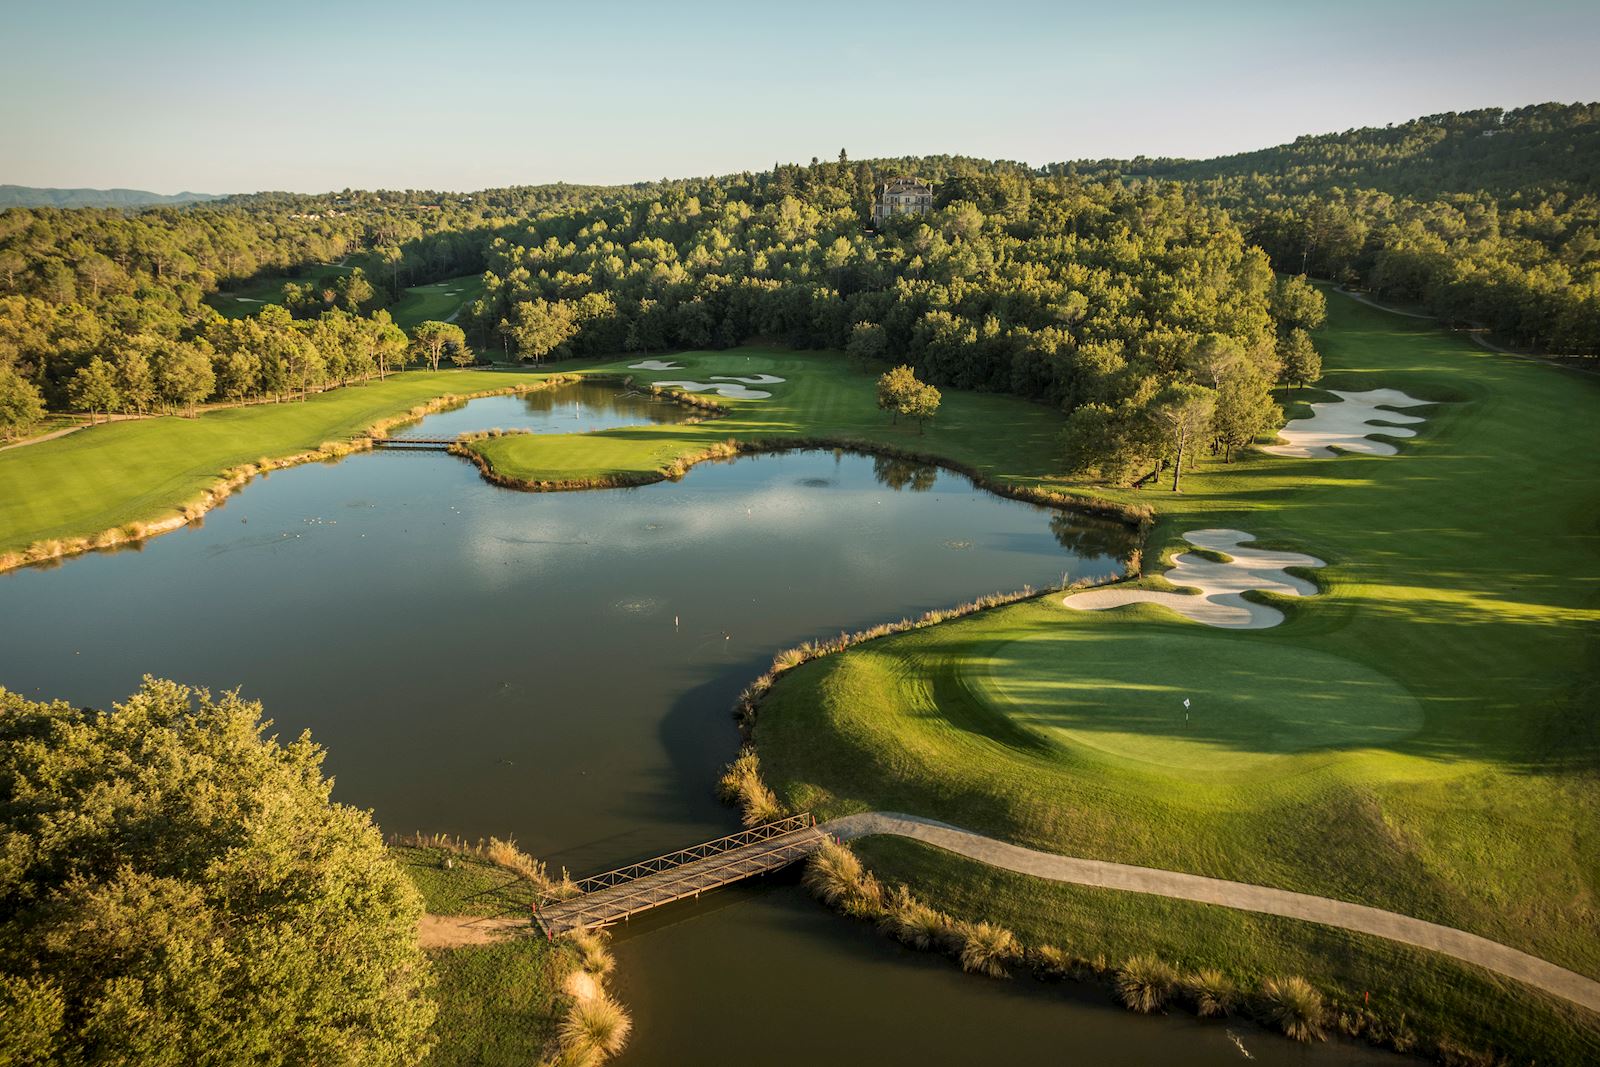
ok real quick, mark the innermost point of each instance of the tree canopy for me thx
(177, 888)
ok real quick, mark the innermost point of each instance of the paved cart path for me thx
(1458, 944)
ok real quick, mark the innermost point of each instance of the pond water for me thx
(582, 407)
(561, 668)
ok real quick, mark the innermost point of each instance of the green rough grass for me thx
(147, 469)
(498, 1004)
(468, 886)
(1462, 581)
(438, 301)
(825, 396)
(268, 289)
(1427, 993)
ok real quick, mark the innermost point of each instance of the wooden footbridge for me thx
(617, 895)
(414, 444)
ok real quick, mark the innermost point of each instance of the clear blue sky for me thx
(223, 97)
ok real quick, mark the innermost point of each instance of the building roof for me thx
(901, 185)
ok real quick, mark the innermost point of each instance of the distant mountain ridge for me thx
(30, 196)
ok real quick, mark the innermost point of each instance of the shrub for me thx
(759, 804)
(596, 1025)
(917, 924)
(1293, 1006)
(987, 949)
(1212, 992)
(1049, 961)
(867, 902)
(593, 956)
(731, 785)
(508, 855)
(1144, 983)
(833, 874)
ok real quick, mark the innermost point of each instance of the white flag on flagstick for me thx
(1185, 701)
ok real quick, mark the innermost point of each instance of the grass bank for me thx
(523, 999)
(1419, 737)
(59, 494)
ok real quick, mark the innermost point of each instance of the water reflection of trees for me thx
(900, 474)
(598, 399)
(1087, 537)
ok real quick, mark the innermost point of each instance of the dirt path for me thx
(1457, 944)
(458, 931)
(53, 434)
(1367, 300)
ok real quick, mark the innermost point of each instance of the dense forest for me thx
(1486, 218)
(1138, 296)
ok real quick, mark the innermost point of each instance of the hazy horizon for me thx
(189, 98)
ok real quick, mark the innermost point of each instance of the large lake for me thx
(561, 667)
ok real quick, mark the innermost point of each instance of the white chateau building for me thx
(901, 196)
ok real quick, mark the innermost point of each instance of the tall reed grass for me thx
(596, 1026)
(500, 852)
(1144, 983)
(1294, 1006)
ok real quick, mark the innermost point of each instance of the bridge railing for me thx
(705, 850)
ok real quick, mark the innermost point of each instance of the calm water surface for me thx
(578, 408)
(560, 667)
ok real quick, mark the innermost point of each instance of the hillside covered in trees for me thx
(1137, 296)
(1486, 218)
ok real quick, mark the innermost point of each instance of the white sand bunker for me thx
(729, 386)
(1220, 584)
(1345, 426)
(655, 364)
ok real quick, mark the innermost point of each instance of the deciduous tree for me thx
(180, 889)
(21, 405)
(432, 341)
(1301, 362)
(94, 389)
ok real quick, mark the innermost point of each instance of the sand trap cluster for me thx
(1346, 425)
(730, 386)
(655, 364)
(1220, 584)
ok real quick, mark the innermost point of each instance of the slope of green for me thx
(824, 396)
(146, 469)
(439, 301)
(1461, 592)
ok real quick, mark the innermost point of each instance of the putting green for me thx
(1123, 694)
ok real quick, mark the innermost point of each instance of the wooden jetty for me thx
(616, 895)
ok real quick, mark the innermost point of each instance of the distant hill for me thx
(1541, 149)
(28, 196)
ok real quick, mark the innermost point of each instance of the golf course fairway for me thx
(1419, 736)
